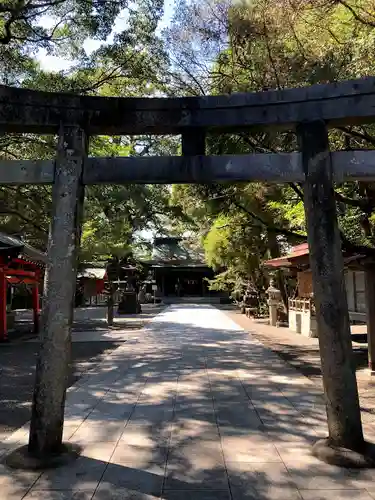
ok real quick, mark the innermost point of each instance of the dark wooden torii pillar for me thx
(47, 418)
(339, 379)
(370, 313)
(3, 306)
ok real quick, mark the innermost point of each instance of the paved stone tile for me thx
(195, 476)
(139, 456)
(146, 413)
(193, 429)
(95, 430)
(257, 435)
(16, 479)
(227, 390)
(188, 406)
(82, 475)
(196, 495)
(197, 454)
(144, 433)
(310, 475)
(82, 399)
(238, 416)
(244, 449)
(59, 495)
(364, 478)
(110, 492)
(259, 475)
(290, 452)
(13, 492)
(71, 426)
(269, 493)
(286, 435)
(85, 474)
(162, 390)
(195, 411)
(146, 480)
(335, 495)
(115, 408)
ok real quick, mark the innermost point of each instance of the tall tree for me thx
(258, 45)
(128, 63)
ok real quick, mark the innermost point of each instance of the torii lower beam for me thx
(277, 168)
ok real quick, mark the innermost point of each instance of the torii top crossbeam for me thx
(350, 102)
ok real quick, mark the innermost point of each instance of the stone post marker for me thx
(55, 351)
(274, 299)
(110, 305)
(339, 380)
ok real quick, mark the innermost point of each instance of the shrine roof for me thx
(98, 273)
(298, 256)
(176, 252)
(14, 246)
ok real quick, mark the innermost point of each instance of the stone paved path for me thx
(191, 408)
(303, 354)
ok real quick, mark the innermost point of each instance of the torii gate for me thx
(307, 111)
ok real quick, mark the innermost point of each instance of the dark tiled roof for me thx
(13, 244)
(176, 252)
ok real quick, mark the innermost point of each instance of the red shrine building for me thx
(19, 264)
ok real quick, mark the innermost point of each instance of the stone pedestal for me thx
(129, 303)
(272, 307)
(274, 297)
(11, 320)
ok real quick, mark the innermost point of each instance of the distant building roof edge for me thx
(13, 242)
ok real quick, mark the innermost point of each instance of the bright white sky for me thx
(54, 63)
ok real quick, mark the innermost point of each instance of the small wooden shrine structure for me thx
(19, 263)
(301, 308)
(91, 280)
(301, 305)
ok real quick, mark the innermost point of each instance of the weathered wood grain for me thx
(326, 261)
(26, 171)
(278, 168)
(194, 169)
(23, 110)
(47, 419)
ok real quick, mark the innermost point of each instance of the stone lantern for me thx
(250, 301)
(128, 303)
(274, 298)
